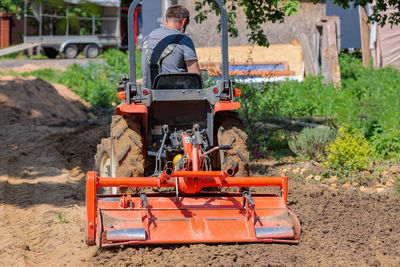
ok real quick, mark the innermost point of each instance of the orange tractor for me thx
(175, 167)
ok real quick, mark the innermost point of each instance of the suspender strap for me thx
(154, 63)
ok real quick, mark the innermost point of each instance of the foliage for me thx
(267, 143)
(61, 218)
(312, 142)
(379, 8)
(386, 143)
(97, 82)
(83, 9)
(256, 12)
(262, 143)
(368, 100)
(375, 92)
(50, 75)
(350, 151)
(259, 12)
(12, 7)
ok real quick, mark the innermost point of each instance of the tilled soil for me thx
(338, 229)
(42, 213)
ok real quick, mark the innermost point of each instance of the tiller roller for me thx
(195, 213)
(175, 167)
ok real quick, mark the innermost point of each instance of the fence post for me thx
(4, 29)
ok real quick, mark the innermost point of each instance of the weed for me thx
(61, 218)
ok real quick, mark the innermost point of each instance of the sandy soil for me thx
(42, 171)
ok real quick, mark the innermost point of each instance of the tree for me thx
(258, 12)
(12, 6)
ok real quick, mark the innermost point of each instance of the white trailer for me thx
(71, 44)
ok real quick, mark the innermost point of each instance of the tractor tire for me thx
(127, 150)
(102, 161)
(230, 132)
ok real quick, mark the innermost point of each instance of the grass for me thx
(50, 75)
(22, 56)
(97, 82)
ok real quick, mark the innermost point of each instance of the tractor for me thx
(175, 168)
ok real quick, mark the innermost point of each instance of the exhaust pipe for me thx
(230, 171)
(169, 171)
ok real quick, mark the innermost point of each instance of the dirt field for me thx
(46, 149)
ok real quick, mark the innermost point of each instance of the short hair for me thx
(177, 12)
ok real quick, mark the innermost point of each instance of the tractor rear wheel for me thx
(127, 150)
(102, 161)
(230, 132)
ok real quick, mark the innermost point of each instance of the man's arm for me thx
(193, 66)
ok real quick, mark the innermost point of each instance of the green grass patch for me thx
(50, 75)
(97, 82)
(21, 56)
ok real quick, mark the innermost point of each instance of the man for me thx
(169, 49)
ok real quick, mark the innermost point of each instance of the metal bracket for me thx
(160, 151)
(247, 199)
(143, 197)
(176, 188)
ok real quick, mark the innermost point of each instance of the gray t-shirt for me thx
(157, 41)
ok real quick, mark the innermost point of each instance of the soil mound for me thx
(34, 99)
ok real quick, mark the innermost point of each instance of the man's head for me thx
(177, 17)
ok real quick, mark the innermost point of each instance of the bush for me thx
(311, 142)
(349, 151)
(386, 143)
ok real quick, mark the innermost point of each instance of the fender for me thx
(225, 106)
(139, 110)
(133, 109)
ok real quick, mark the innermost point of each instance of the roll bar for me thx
(131, 40)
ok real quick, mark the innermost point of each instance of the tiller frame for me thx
(206, 217)
(190, 214)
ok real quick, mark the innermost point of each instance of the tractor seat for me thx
(178, 81)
